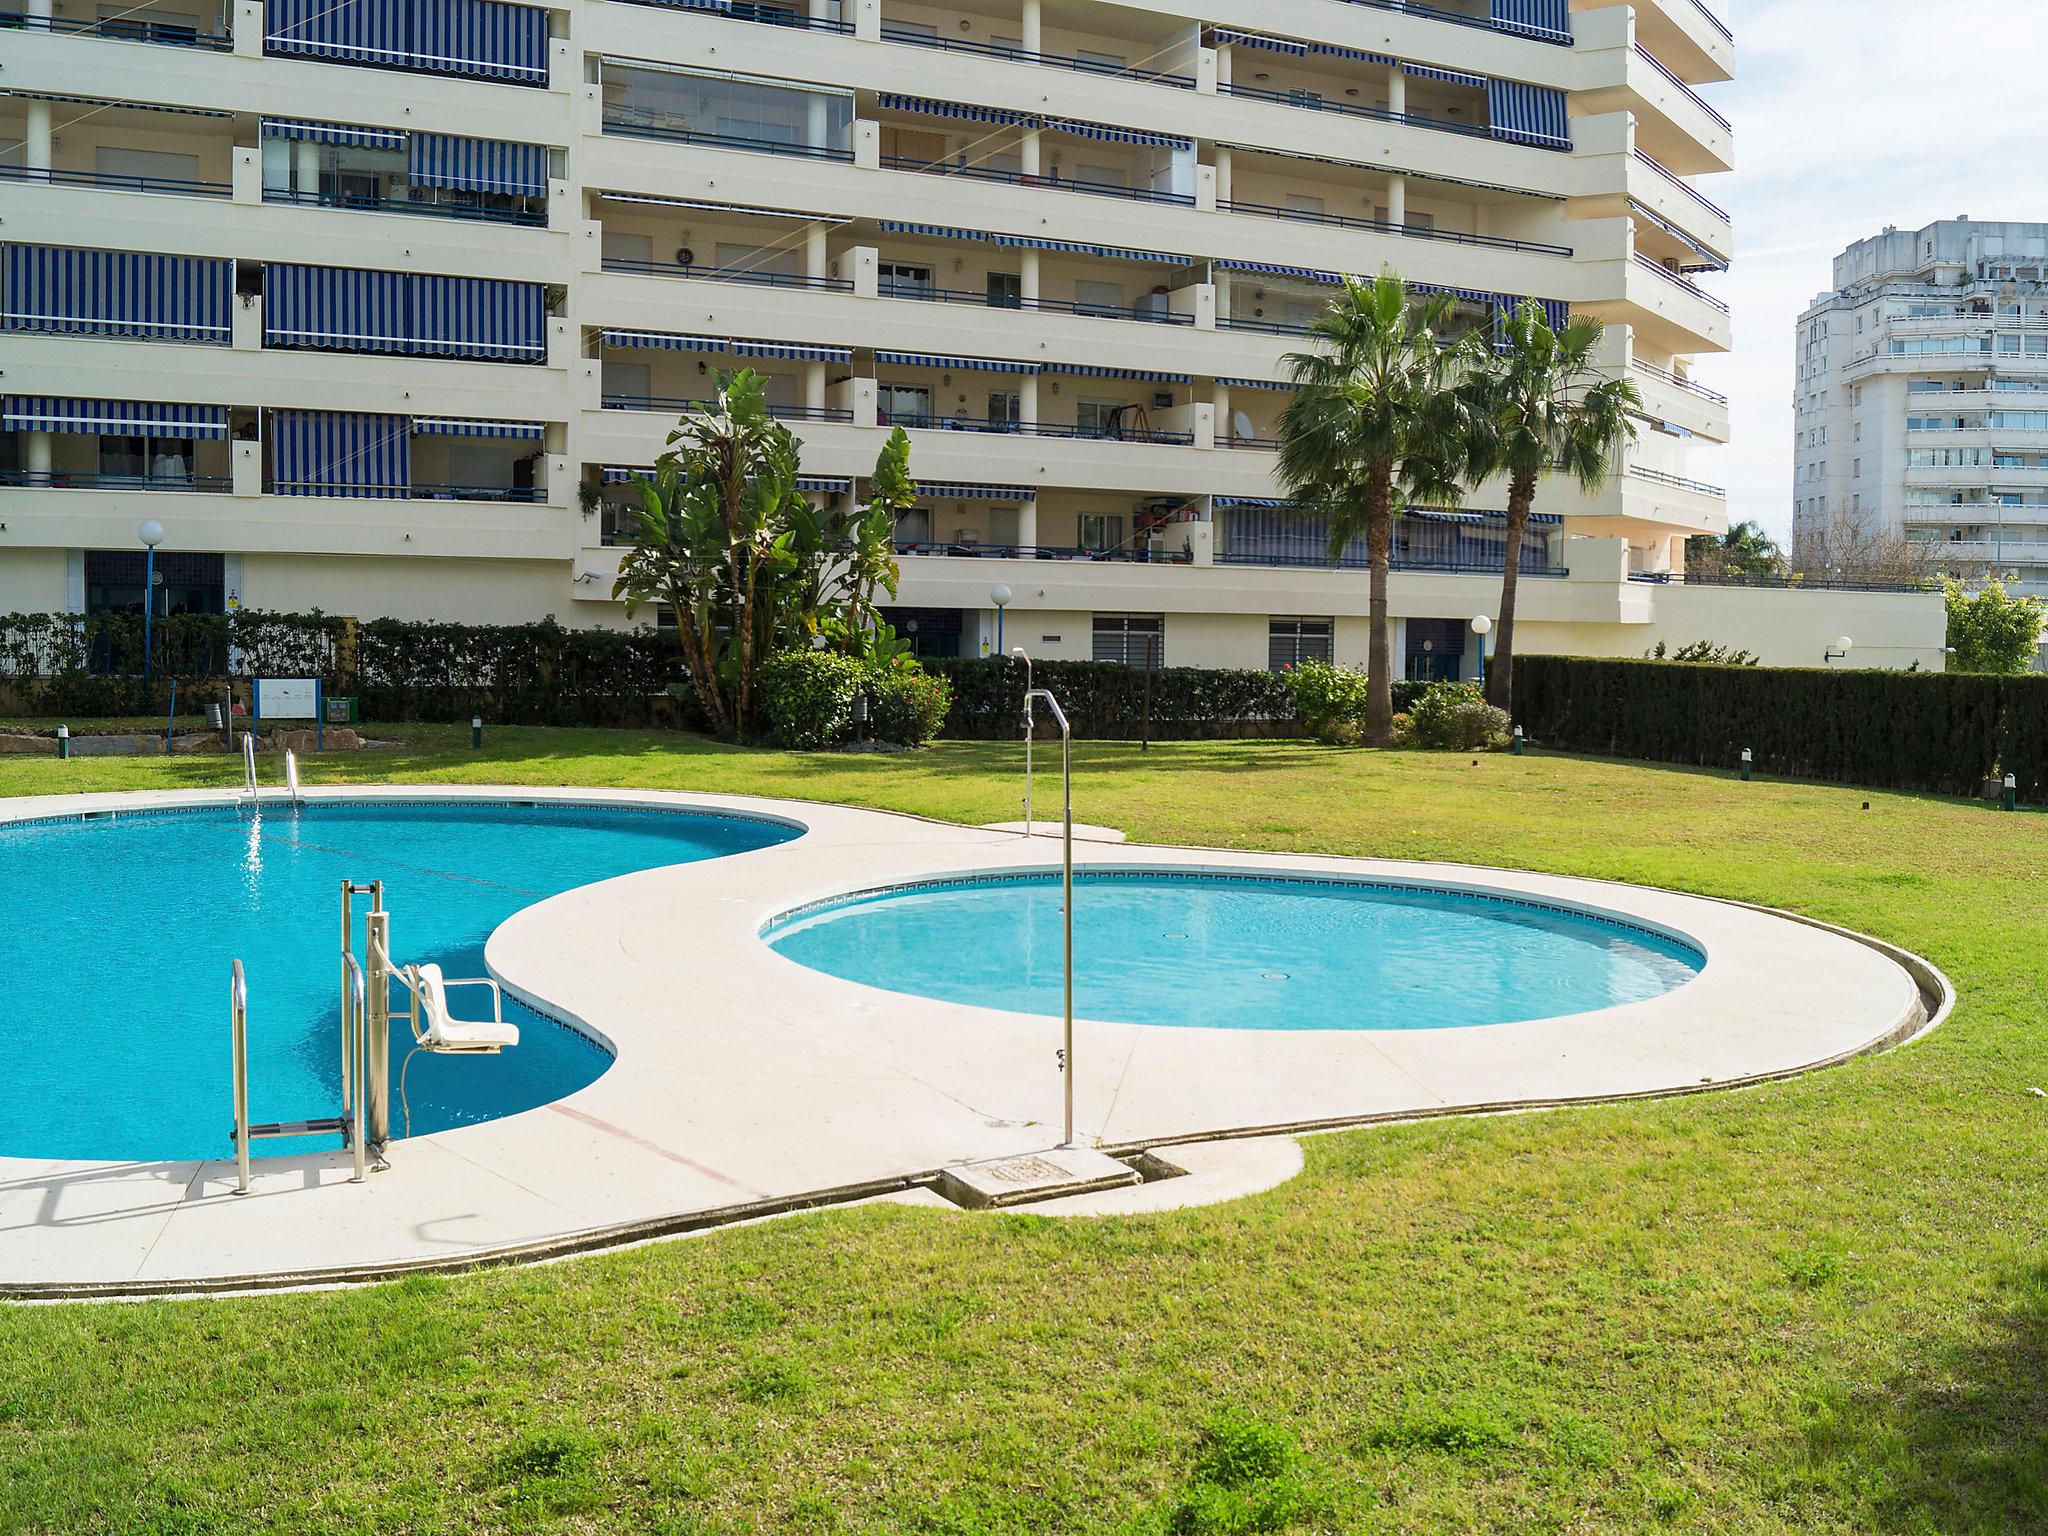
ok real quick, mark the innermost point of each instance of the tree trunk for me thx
(698, 663)
(1500, 680)
(1379, 656)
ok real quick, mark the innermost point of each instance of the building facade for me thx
(375, 305)
(1921, 402)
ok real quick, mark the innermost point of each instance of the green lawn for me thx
(1819, 1306)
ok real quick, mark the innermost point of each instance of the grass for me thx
(1817, 1306)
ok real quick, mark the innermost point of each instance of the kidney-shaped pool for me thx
(1230, 951)
(116, 933)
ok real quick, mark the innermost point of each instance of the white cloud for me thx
(1850, 115)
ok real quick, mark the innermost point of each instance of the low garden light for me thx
(1747, 761)
(476, 732)
(2011, 799)
(1838, 651)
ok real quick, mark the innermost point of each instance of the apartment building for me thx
(376, 305)
(1921, 402)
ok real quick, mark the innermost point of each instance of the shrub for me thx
(807, 697)
(1106, 701)
(910, 705)
(1330, 699)
(1455, 717)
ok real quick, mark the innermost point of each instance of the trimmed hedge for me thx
(1105, 700)
(1942, 732)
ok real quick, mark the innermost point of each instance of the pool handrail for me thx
(1066, 888)
(1019, 652)
(291, 776)
(238, 1047)
(248, 770)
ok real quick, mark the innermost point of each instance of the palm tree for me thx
(1540, 406)
(1374, 421)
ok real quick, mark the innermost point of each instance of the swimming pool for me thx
(1224, 951)
(116, 933)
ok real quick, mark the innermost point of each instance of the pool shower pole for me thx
(238, 1046)
(1066, 893)
(1018, 652)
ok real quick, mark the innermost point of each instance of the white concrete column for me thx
(867, 20)
(1219, 399)
(1205, 71)
(1027, 276)
(35, 452)
(867, 145)
(306, 176)
(1032, 28)
(817, 121)
(814, 386)
(1397, 199)
(38, 140)
(245, 21)
(1027, 152)
(1223, 173)
(1027, 523)
(817, 260)
(1222, 281)
(1397, 90)
(1224, 55)
(1027, 402)
(859, 266)
(245, 176)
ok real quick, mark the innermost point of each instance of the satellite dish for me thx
(685, 257)
(1241, 425)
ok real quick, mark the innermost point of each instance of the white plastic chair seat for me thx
(442, 1031)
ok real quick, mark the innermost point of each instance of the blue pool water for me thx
(1229, 952)
(116, 936)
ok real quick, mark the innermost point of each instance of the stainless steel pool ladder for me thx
(1066, 884)
(248, 790)
(291, 777)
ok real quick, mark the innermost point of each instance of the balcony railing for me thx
(100, 480)
(679, 404)
(1261, 327)
(1024, 56)
(1459, 19)
(726, 274)
(628, 127)
(121, 29)
(1443, 565)
(350, 202)
(954, 550)
(1713, 21)
(167, 185)
(928, 294)
(1793, 582)
(1660, 477)
(1692, 95)
(1024, 179)
(1311, 101)
(1670, 276)
(1683, 185)
(1003, 427)
(1388, 227)
(767, 15)
(416, 491)
(1268, 444)
(1685, 384)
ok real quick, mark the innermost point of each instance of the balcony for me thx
(168, 186)
(754, 276)
(416, 206)
(922, 293)
(927, 167)
(133, 26)
(98, 480)
(1387, 227)
(678, 404)
(1019, 54)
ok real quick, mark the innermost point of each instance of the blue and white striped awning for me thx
(619, 474)
(421, 314)
(133, 294)
(477, 317)
(463, 426)
(948, 490)
(1549, 20)
(1253, 384)
(925, 106)
(478, 165)
(113, 418)
(340, 453)
(360, 31)
(825, 485)
(1274, 269)
(103, 102)
(668, 341)
(1093, 371)
(1033, 243)
(1233, 37)
(1448, 76)
(487, 38)
(333, 133)
(1527, 114)
(973, 364)
(1226, 503)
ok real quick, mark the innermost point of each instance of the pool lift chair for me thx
(436, 1030)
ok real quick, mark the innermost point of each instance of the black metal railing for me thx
(1003, 427)
(417, 490)
(1025, 179)
(629, 128)
(1792, 582)
(1684, 186)
(168, 185)
(766, 15)
(749, 275)
(928, 294)
(1025, 56)
(680, 404)
(1694, 96)
(1313, 101)
(355, 203)
(123, 29)
(1670, 276)
(1661, 477)
(1444, 565)
(955, 550)
(106, 480)
(1671, 378)
(1389, 227)
(1460, 19)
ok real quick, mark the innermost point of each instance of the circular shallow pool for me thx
(1238, 952)
(116, 933)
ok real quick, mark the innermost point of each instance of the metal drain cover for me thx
(1029, 1176)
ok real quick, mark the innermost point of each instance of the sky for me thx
(1850, 115)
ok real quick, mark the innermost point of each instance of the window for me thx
(162, 460)
(1290, 642)
(1419, 220)
(1099, 298)
(1301, 202)
(759, 258)
(1136, 640)
(1105, 60)
(904, 405)
(1005, 409)
(903, 280)
(1098, 418)
(1005, 290)
(1102, 175)
(145, 164)
(1100, 530)
(619, 245)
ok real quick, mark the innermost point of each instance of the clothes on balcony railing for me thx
(486, 38)
(1032, 243)
(924, 106)
(417, 314)
(668, 341)
(948, 490)
(131, 294)
(340, 453)
(113, 418)
(1549, 20)
(1527, 114)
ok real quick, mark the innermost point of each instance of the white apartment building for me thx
(1921, 404)
(376, 304)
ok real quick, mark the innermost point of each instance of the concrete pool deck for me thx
(746, 1084)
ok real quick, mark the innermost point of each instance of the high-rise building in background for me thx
(376, 304)
(1921, 404)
